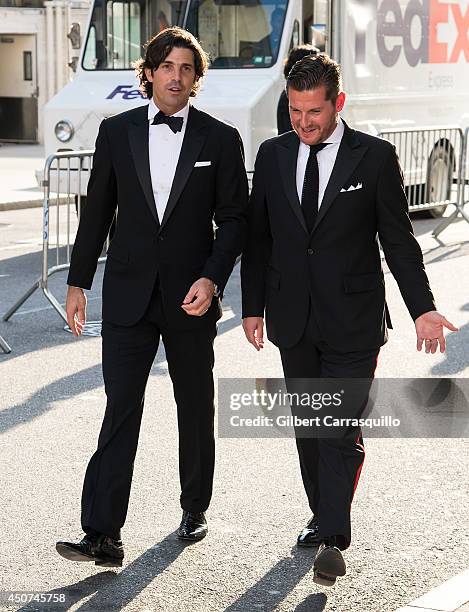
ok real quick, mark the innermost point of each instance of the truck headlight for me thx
(64, 130)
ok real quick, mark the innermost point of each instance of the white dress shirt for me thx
(326, 160)
(164, 148)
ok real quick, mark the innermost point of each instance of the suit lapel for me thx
(287, 153)
(138, 141)
(194, 138)
(348, 157)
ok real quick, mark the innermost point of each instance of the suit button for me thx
(310, 251)
(161, 237)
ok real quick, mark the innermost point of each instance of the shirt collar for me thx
(337, 134)
(154, 110)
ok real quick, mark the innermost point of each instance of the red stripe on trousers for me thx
(357, 441)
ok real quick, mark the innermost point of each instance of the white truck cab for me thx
(405, 63)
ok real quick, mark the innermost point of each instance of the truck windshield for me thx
(119, 29)
(235, 33)
(238, 33)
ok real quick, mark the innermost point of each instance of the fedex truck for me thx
(405, 63)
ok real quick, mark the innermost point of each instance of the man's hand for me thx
(254, 330)
(198, 299)
(76, 310)
(429, 328)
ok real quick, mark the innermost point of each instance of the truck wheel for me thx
(439, 178)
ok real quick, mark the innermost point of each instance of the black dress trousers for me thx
(128, 355)
(330, 467)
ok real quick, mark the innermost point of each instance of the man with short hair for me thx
(172, 170)
(322, 196)
(283, 110)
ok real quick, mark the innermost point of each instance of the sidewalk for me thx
(18, 163)
(451, 596)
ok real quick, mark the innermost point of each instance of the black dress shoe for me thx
(328, 564)
(103, 550)
(193, 526)
(309, 535)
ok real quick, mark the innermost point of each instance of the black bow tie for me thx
(175, 123)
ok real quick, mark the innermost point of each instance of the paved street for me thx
(410, 518)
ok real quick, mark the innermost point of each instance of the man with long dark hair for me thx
(173, 171)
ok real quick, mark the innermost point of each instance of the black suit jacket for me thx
(184, 246)
(337, 266)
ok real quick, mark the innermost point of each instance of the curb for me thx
(450, 596)
(32, 203)
(20, 205)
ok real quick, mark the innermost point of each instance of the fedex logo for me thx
(418, 30)
(126, 92)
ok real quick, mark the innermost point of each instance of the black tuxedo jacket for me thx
(337, 266)
(184, 246)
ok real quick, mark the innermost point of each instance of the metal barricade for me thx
(65, 179)
(432, 161)
(463, 183)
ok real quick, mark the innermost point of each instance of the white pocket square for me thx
(352, 188)
(199, 164)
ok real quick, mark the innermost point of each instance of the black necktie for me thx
(175, 123)
(310, 193)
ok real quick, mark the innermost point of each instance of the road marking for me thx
(446, 597)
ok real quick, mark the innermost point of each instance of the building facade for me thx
(39, 45)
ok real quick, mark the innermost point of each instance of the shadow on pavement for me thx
(312, 603)
(30, 331)
(36, 325)
(457, 353)
(40, 402)
(64, 388)
(115, 590)
(443, 253)
(278, 582)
